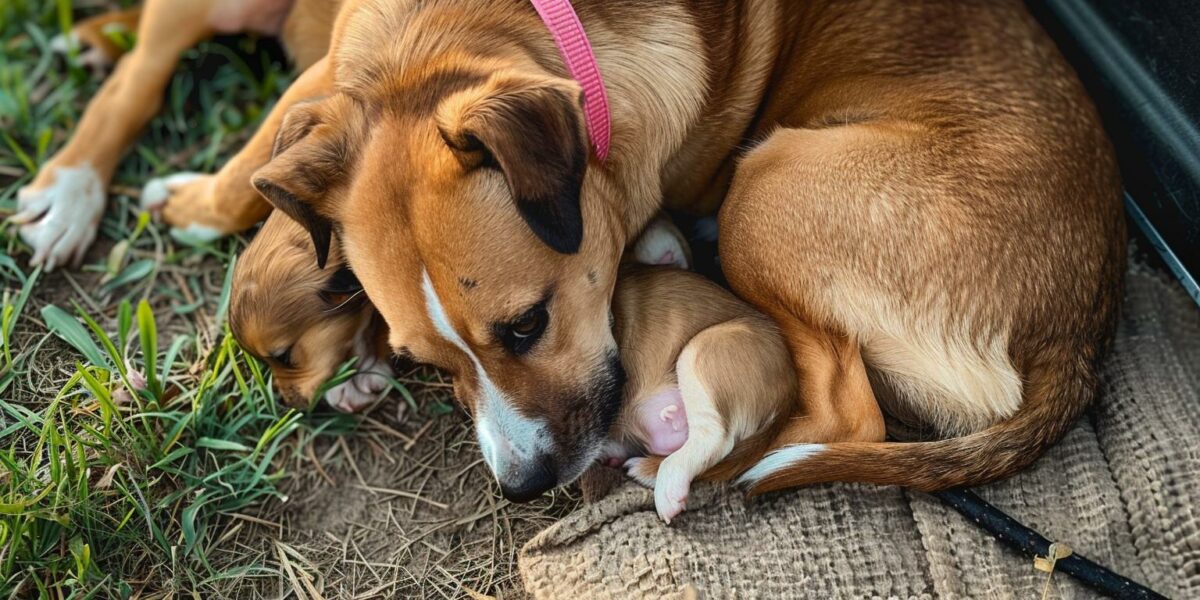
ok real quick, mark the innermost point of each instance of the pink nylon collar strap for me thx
(560, 18)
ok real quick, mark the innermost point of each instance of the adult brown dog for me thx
(919, 193)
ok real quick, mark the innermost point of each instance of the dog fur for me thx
(704, 372)
(920, 196)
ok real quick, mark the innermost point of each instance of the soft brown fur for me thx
(920, 195)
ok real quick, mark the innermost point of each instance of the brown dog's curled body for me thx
(704, 372)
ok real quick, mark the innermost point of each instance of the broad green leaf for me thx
(66, 327)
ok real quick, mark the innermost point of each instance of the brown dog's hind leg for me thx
(800, 239)
(204, 207)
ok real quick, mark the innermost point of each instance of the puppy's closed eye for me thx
(343, 292)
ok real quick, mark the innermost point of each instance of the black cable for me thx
(1021, 538)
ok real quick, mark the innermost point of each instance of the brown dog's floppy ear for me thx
(533, 132)
(305, 164)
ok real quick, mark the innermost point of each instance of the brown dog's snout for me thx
(527, 484)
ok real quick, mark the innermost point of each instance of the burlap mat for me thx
(1122, 489)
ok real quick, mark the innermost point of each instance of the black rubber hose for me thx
(1027, 541)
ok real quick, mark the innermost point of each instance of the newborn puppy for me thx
(305, 322)
(704, 371)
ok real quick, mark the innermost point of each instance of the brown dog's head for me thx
(462, 196)
(304, 321)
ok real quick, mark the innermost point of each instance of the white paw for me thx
(661, 244)
(362, 390)
(59, 221)
(670, 492)
(157, 191)
(94, 58)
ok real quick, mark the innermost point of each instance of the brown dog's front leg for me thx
(204, 207)
(60, 211)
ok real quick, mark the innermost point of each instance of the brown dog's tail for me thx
(1054, 399)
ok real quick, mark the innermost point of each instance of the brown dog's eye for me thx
(520, 335)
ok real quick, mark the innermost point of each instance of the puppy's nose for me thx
(530, 482)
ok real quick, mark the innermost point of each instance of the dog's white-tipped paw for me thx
(59, 221)
(87, 56)
(195, 235)
(157, 191)
(64, 43)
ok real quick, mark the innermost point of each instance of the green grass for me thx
(134, 433)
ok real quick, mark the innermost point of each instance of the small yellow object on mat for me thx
(1058, 550)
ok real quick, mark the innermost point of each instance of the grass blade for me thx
(69, 330)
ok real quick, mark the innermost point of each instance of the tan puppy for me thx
(920, 195)
(704, 372)
(59, 212)
(305, 322)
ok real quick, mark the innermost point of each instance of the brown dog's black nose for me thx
(530, 482)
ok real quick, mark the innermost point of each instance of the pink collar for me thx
(560, 18)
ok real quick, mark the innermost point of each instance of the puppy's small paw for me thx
(643, 469)
(670, 493)
(59, 220)
(363, 390)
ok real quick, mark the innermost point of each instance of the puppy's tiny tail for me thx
(1054, 399)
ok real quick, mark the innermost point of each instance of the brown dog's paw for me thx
(185, 201)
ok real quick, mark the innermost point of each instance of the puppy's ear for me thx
(310, 157)
(533, 131)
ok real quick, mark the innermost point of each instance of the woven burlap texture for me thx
(1123, 489)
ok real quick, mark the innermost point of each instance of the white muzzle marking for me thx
(506, 437)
